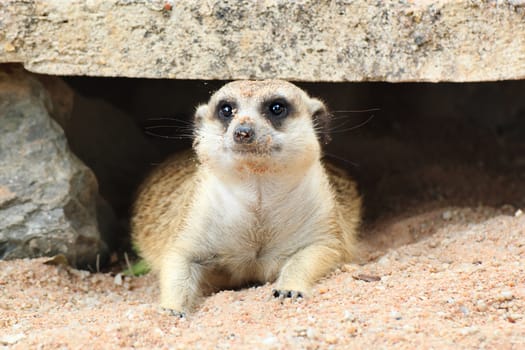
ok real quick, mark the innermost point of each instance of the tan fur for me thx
(225, 217)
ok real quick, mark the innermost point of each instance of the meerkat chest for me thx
(262, 219)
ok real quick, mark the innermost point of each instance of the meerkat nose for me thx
(244, 133)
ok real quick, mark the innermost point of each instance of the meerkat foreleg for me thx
(304, 268)
(180, 280)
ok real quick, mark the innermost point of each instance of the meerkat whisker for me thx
(178, 120)
(338, 129)
(176, 137)
(344, 160)
(367, 110)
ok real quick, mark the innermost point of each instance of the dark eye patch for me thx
(276, 110)
(225, 111)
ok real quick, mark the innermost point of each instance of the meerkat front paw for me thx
(283, 293)
(174, 313)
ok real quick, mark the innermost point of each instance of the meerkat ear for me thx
(200, 114)
(321, 119)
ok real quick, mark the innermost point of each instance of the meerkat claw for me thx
(174, 313)
(292, 294)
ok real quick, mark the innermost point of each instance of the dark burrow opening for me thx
(410, 146)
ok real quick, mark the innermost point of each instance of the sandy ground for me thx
(441, 278)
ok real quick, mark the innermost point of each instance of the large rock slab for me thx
(307, 40)
(48, 198)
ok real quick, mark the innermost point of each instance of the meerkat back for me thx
(348, 206)
(161, 206)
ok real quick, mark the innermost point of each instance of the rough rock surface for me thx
(307, 40)
(47, 196)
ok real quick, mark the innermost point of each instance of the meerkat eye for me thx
(225, 111)
(278, 109)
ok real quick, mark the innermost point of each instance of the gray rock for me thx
(307, 40)
(47, 196)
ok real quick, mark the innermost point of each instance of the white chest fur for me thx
(254, 224)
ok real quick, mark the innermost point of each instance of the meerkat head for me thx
(260, 127)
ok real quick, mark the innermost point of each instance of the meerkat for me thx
(252, 203)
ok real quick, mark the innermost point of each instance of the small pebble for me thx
(396, 315)
(481, 306)
(11, 339)
(270, 340)
(518, 213)
(384, 261)
(447, 215)
(512, 318)
(506, 295)
(118, 279)
(469, 330)
(311, 333)
(433, 244)
(348, 316)
(300, 332)
(352, 330)
(464, 310)
(349, 267)
(322, 290)
(331, 339)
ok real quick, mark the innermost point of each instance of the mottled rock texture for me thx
(48, 198)
(306, 40)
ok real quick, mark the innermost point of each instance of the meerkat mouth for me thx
(256, 150)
